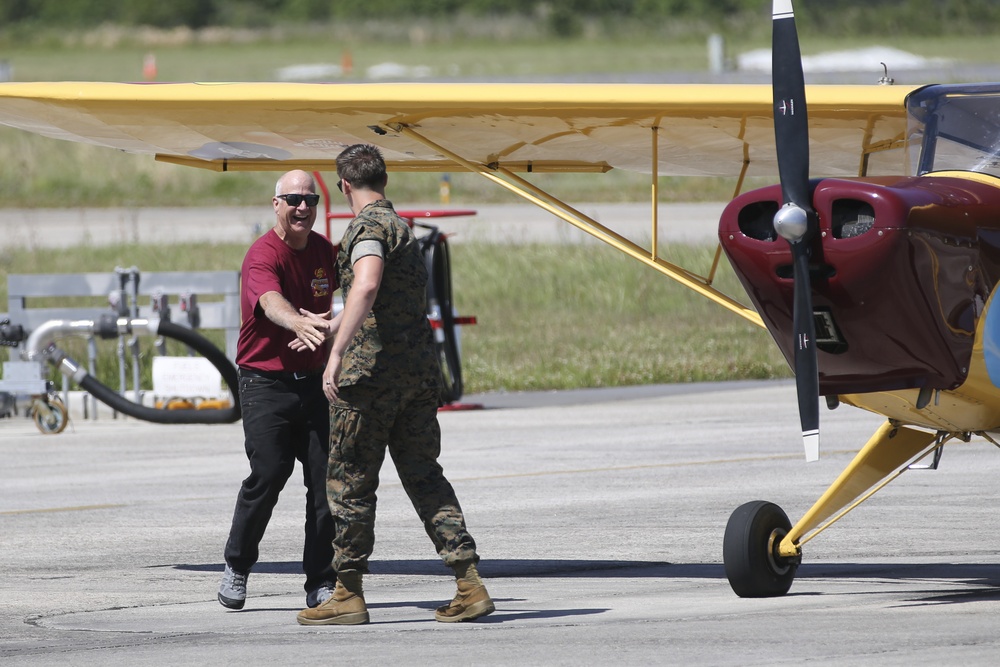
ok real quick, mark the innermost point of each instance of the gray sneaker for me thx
(318, 596)
(233, 589)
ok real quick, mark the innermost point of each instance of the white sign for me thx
(186, 377)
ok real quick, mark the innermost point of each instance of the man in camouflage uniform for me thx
(383, 384)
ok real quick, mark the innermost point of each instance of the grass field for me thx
(464, 49)
(557, 317)
(549, 317)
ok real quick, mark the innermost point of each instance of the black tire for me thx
(750, 551)
(439, 302)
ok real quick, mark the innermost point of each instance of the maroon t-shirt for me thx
(306, 278)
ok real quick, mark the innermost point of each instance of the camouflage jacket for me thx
(395, 345)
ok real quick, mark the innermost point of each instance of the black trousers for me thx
(284, 420)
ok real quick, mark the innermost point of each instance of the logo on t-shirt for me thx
(320, 284)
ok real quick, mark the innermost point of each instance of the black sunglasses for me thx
(340, 185)
(295, 200)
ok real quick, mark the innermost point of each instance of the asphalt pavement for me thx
(505, 223)
(599, 516)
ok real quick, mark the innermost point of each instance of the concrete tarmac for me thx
(599, 516)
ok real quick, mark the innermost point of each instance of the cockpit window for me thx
(954, 127)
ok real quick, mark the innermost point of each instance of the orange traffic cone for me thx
(149, 67)
(346, 64)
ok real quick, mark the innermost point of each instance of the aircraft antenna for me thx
(886, 80)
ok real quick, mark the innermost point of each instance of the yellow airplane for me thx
(876, 281)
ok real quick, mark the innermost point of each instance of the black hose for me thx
(200, 344)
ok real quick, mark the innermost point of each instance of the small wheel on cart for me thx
(50, 415)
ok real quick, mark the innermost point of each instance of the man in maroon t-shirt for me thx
(288, 276)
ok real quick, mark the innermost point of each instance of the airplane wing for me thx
(496, 130)
(702, 130)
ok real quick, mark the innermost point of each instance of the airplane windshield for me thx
(954, 127)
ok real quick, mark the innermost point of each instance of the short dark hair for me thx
(363, 166)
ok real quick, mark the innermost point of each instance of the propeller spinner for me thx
(796, 221)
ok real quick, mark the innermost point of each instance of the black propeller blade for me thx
(796, 221)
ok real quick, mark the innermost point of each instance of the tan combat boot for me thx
(471, 601)
(345, 607)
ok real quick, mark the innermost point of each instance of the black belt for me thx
(286, 376)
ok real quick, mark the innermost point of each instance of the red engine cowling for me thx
(900, 270)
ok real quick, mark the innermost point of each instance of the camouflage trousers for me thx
(364, 423)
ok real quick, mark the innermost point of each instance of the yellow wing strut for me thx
(529, 192)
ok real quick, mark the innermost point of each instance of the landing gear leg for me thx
(750, 551)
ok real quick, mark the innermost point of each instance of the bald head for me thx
(294, 179)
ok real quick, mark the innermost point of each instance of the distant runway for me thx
(599, 516)
(510, 223)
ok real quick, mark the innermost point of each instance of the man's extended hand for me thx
(312, 330)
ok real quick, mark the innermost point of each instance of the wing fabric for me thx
(708, 130)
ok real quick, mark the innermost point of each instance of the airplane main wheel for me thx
(750, 551)
(52, 420)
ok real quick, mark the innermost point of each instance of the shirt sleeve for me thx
(261, 278)
(367, 236)
(367, 248)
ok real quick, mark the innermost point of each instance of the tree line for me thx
(562, 17)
